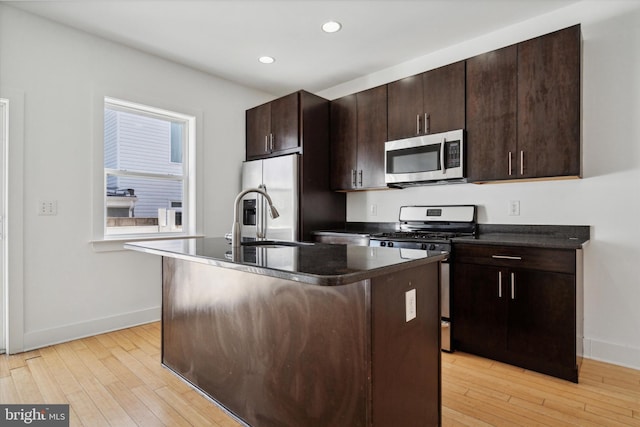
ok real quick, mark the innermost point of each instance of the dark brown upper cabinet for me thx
(273, 128)
(492, 85)
(549, 105)
(430, 102)
(358, 133)
(523, 109)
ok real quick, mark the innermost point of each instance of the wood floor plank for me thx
(138, 368)
(120, 337)
(8, 392)
(159, 407)
(106, 403)
(133, 406)
(97, 348)
(26, 386)
(122, 372)
(86, 410)
(64, 377)
(183, 408)
(159, 371)
(45, 381)
(205, 407)
(106, 340)
(96, 366)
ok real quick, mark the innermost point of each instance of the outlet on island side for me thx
(514, 207)
(410, 305)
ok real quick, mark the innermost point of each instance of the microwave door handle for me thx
(443, 167)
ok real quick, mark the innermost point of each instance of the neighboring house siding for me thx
(143, 144)
(110, 145)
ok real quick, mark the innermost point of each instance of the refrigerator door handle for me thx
(261, 211)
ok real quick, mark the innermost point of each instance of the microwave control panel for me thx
(452, 151)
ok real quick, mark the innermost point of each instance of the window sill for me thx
(117, 243)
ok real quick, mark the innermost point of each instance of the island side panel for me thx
(274, 352)
(406, 354)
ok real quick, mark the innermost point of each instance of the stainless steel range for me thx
(432, 228)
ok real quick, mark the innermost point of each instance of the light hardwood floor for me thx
(116, 379)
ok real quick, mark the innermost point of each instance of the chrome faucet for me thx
(235, 230)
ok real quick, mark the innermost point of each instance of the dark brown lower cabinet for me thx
(520, 306)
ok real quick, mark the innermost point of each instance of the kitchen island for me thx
(304, 334)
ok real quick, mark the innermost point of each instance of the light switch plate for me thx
(47, 207)
(410, 304)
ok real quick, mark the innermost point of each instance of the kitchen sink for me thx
(275, 244)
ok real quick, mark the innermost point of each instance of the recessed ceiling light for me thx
(331, 27)
(267, 59)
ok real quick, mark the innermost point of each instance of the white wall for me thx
(69, 289)
(607, 198)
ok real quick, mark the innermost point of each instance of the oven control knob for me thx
(390, 244)
(423, 246)
(432, 247)
(383, 243)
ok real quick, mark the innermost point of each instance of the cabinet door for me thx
(371, 136)
(258, 128)
(405, 108)
(542, 316)
(444, 98)
(549, 104)
(284, 122)
(491, 115)
(344, 142)
(479, 311)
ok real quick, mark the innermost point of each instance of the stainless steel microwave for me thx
(426, 159)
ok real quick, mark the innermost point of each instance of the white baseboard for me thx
(46, 337)
(612, 353)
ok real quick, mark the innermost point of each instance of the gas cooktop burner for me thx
(419, 235)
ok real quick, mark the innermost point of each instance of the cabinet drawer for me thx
(558, 260)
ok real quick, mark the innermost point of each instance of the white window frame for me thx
(191, 222)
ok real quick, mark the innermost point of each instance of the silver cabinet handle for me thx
(271, 141)
(360, 175)
(266, 143)
(353, 178)
(443, 166)
(513, 285)
(521, 162)
(417, 124)
(517, 258)
(509, 163)
(427, 123)
(499, 284)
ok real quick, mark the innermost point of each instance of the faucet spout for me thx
(235, 230)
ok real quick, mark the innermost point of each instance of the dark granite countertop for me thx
(539, 236)
(316, 264)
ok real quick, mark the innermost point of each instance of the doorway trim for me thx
(13, 187)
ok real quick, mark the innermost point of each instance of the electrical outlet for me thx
(373, 209)
(514, 207)
(410, 304)
(48, 207)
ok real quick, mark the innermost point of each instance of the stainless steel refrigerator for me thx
(280, 178)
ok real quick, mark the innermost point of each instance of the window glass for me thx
(146, 178)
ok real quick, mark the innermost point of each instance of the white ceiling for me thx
(226, 37)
